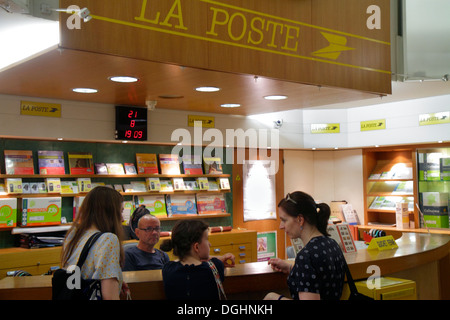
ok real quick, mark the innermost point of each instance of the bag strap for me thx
(350, 281)
(213, 268)
(89, 243)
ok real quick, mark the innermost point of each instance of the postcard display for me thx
(46, 210)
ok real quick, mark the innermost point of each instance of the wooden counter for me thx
(253, 280)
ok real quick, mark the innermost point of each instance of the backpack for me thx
(87, 289)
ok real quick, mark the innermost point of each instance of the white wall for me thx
(326, 175)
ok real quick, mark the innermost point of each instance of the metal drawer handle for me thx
(241, 254)
(242, 247)
(241, 261)
(216, 250)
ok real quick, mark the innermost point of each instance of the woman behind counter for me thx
(318, 271)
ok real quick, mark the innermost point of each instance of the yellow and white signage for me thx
(373, 125)
(434, 118)
(43, 109)
(325, 128)
(207, 122)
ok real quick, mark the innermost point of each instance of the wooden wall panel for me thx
(276, 39)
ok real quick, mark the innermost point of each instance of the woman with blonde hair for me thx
(101, 211)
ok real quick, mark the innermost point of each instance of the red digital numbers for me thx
(133, 134)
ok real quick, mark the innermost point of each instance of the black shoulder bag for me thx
(87, 290)
(354, 294)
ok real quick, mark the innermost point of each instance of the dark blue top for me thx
(190, 282)
(137, 259)
(319, 268)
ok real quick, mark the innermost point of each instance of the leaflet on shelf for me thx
(154, 203)
(429, 165)
(178, 184)
(100, 168)
(53, 185)
(138, 186)
(146, 163)
(77, 201)
(169, 164)
(8, 213)
(51, 162)
(212, 165)
(130, 168)
(13, 185)
(153, 184)
(166, 185)
(181, 204)
(69, 187)
(84, 184)
(444, 167)
(191, 185)
(435, 208)
(80, 163)
(115, 168)
(19, 162)
(211, 204)
(192, 164)
(202, 183)
(224, 183)
(40, 211)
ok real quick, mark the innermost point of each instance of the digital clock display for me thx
(131, 123)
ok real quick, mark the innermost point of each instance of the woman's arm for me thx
(110, 289)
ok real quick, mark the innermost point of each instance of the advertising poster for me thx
(266, 245)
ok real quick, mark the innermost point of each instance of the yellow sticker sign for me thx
(206, 122)
(382, 243)
(434, 118)
(325, 128)
(42, 109)
(373, 125)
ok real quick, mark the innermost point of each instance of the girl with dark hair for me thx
(318, 271)
(192, 276)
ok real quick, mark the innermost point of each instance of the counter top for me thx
(413, 250)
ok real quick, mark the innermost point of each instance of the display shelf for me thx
(389, 177)
(82, 194)
(434, 187)
(416, 230)
(65, 227)
(108, 176)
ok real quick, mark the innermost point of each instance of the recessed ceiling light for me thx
(313, 148)
(230, 105)
(207, 89)
(60, 139)
(376, 146)
(84, 90)
(275, 97)
(440, 141)
(336, 148)
(123, 79)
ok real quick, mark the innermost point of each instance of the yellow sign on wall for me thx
(207, 122)
(434, 118)
(43, 109)
(325, 128)
(373, 125)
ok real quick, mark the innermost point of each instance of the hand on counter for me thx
(280, 265)
(228, 260)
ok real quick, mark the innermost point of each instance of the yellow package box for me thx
(386, 288)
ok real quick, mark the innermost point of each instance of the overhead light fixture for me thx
(85, 90)
(313, 148)
(440, 141)
(336, 148)
(123, 79)
(275, 97)
(230, 105)
(207, 89)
